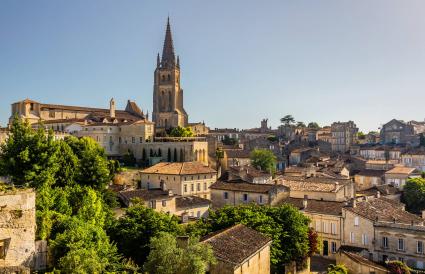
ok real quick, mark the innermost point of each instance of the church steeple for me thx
(168, 56)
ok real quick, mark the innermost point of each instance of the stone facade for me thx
(344, 135)
(168, 110)
(17, 228)
(399, 132)
(414, 159)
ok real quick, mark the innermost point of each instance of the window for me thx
(385, 242)
(153, 204)
(185, 188)
(192, 188)
(164, 203)
(420, 247)
(333, 247)
(226, 195)
(356, 221)
(2, 249)
(260, 199)
(198, 214)
(198, 187)
(365, 239)
(400, 244)
(52, 113)
(245, 197)
(133, 140)
(352, 238)
(205, 186)
(325, 227)
(333, 228)
(140, 139)
(318, 226)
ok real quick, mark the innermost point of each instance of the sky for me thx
(241, 60)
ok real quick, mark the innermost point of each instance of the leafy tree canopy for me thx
(414, 194)
(301, 124)
(337, 269)
(287, 120)
(313, 125)
(397, 267)
(264, 159)
(181, 132)
(168, 257)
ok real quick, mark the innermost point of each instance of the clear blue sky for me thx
(242, 60)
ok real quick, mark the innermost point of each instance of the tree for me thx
(133, 232)
(264, 159)
(337, 269)
(69, 165)
(287, 120)
(230, 141)
(414, 194)
(168, 257)
(29, 157)
(287, 227)
(129, 159)
(313, 125)
(300, 124)
(397, 267)
(181, 132)
(361, 135)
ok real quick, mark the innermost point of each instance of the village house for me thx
(185, 179)
(414, 158)
(389, 153)
(239, 249)
(250, 174)
(368, 178)
(167, 202)
(235, 157)
(379, 165)
(398, 175)
(399, 132)
(300, 155)
(344, 135)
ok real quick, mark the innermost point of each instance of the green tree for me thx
(168, 257)
(287, 227)
(337, 269)
(287, 120)
(230, 141)
(264, 159)
(133, 232)
(300, 124)
(313, 125)
(69, 165)
(361, 135)
(414, 194)
(29, 157)
(181, 132)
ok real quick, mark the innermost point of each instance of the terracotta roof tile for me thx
(186, 168)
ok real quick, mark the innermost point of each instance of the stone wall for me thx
(17, 228)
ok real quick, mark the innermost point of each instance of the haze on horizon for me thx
(241, 60)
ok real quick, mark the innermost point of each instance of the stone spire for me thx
(158, 61)
(168, 56)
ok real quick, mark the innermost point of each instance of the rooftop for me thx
(236, 244)
(317, 206)
(185, 168)
(191, 202)
(402, 170)
(240, 185)
(314, 184)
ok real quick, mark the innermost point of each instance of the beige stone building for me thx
(167, 202)
(358, 264)
(184, 179)
(398, 175)
(240, 249)
(414, 158)
(344, 135)
(17, 230)
(369, 178)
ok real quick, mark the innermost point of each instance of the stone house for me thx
(235, 157)
(239, 249)
(414, 158)
(199, 129)
(17, 233)
(165, 201)
(369, 178)
(399, 132)
(344, 135)
(379, 165)
(358, 264)
(390, 153)
(326, 220)
(300, 155)
(398, 175)
(250, 174)
(185, 179)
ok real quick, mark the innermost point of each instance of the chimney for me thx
(354, 203)
(112, 108)
(170, 192)
(305, 201)
(378, 194)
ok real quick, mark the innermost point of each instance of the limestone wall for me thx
(17, 228)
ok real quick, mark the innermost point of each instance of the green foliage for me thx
(414, 194)
(361, 135)
(337, 269)
(272, 138)
(133, 232)
(181, 132)
(397, 267)
(230, 141)
(168, 257)
(264, 159)
(69, 165)
(287, 227)
(287, 120)
(313, 125)
(129, 159)
(300, 124)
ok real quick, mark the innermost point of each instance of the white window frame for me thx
(352, 237)
(356, 221)
(400, 244)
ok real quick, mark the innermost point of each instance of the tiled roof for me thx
(236, 244)
(384, 210)
(242, 186)
(371, 173)
(191, 202)
(363, 261)
(314, 184)
(402, 170)
(237, 153)
(383, 189)
(185, 168)
(144, 194)
(317, 206)
(251, 171)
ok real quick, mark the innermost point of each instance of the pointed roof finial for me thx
(157, 61)
(168, 56)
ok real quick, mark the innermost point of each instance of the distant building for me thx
(414, 158)
(399, 132)
(399, 175)
(344, 135)
(239, 249)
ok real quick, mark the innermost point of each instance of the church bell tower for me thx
(168, 111)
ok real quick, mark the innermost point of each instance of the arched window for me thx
(163, 77)
(169, 77)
